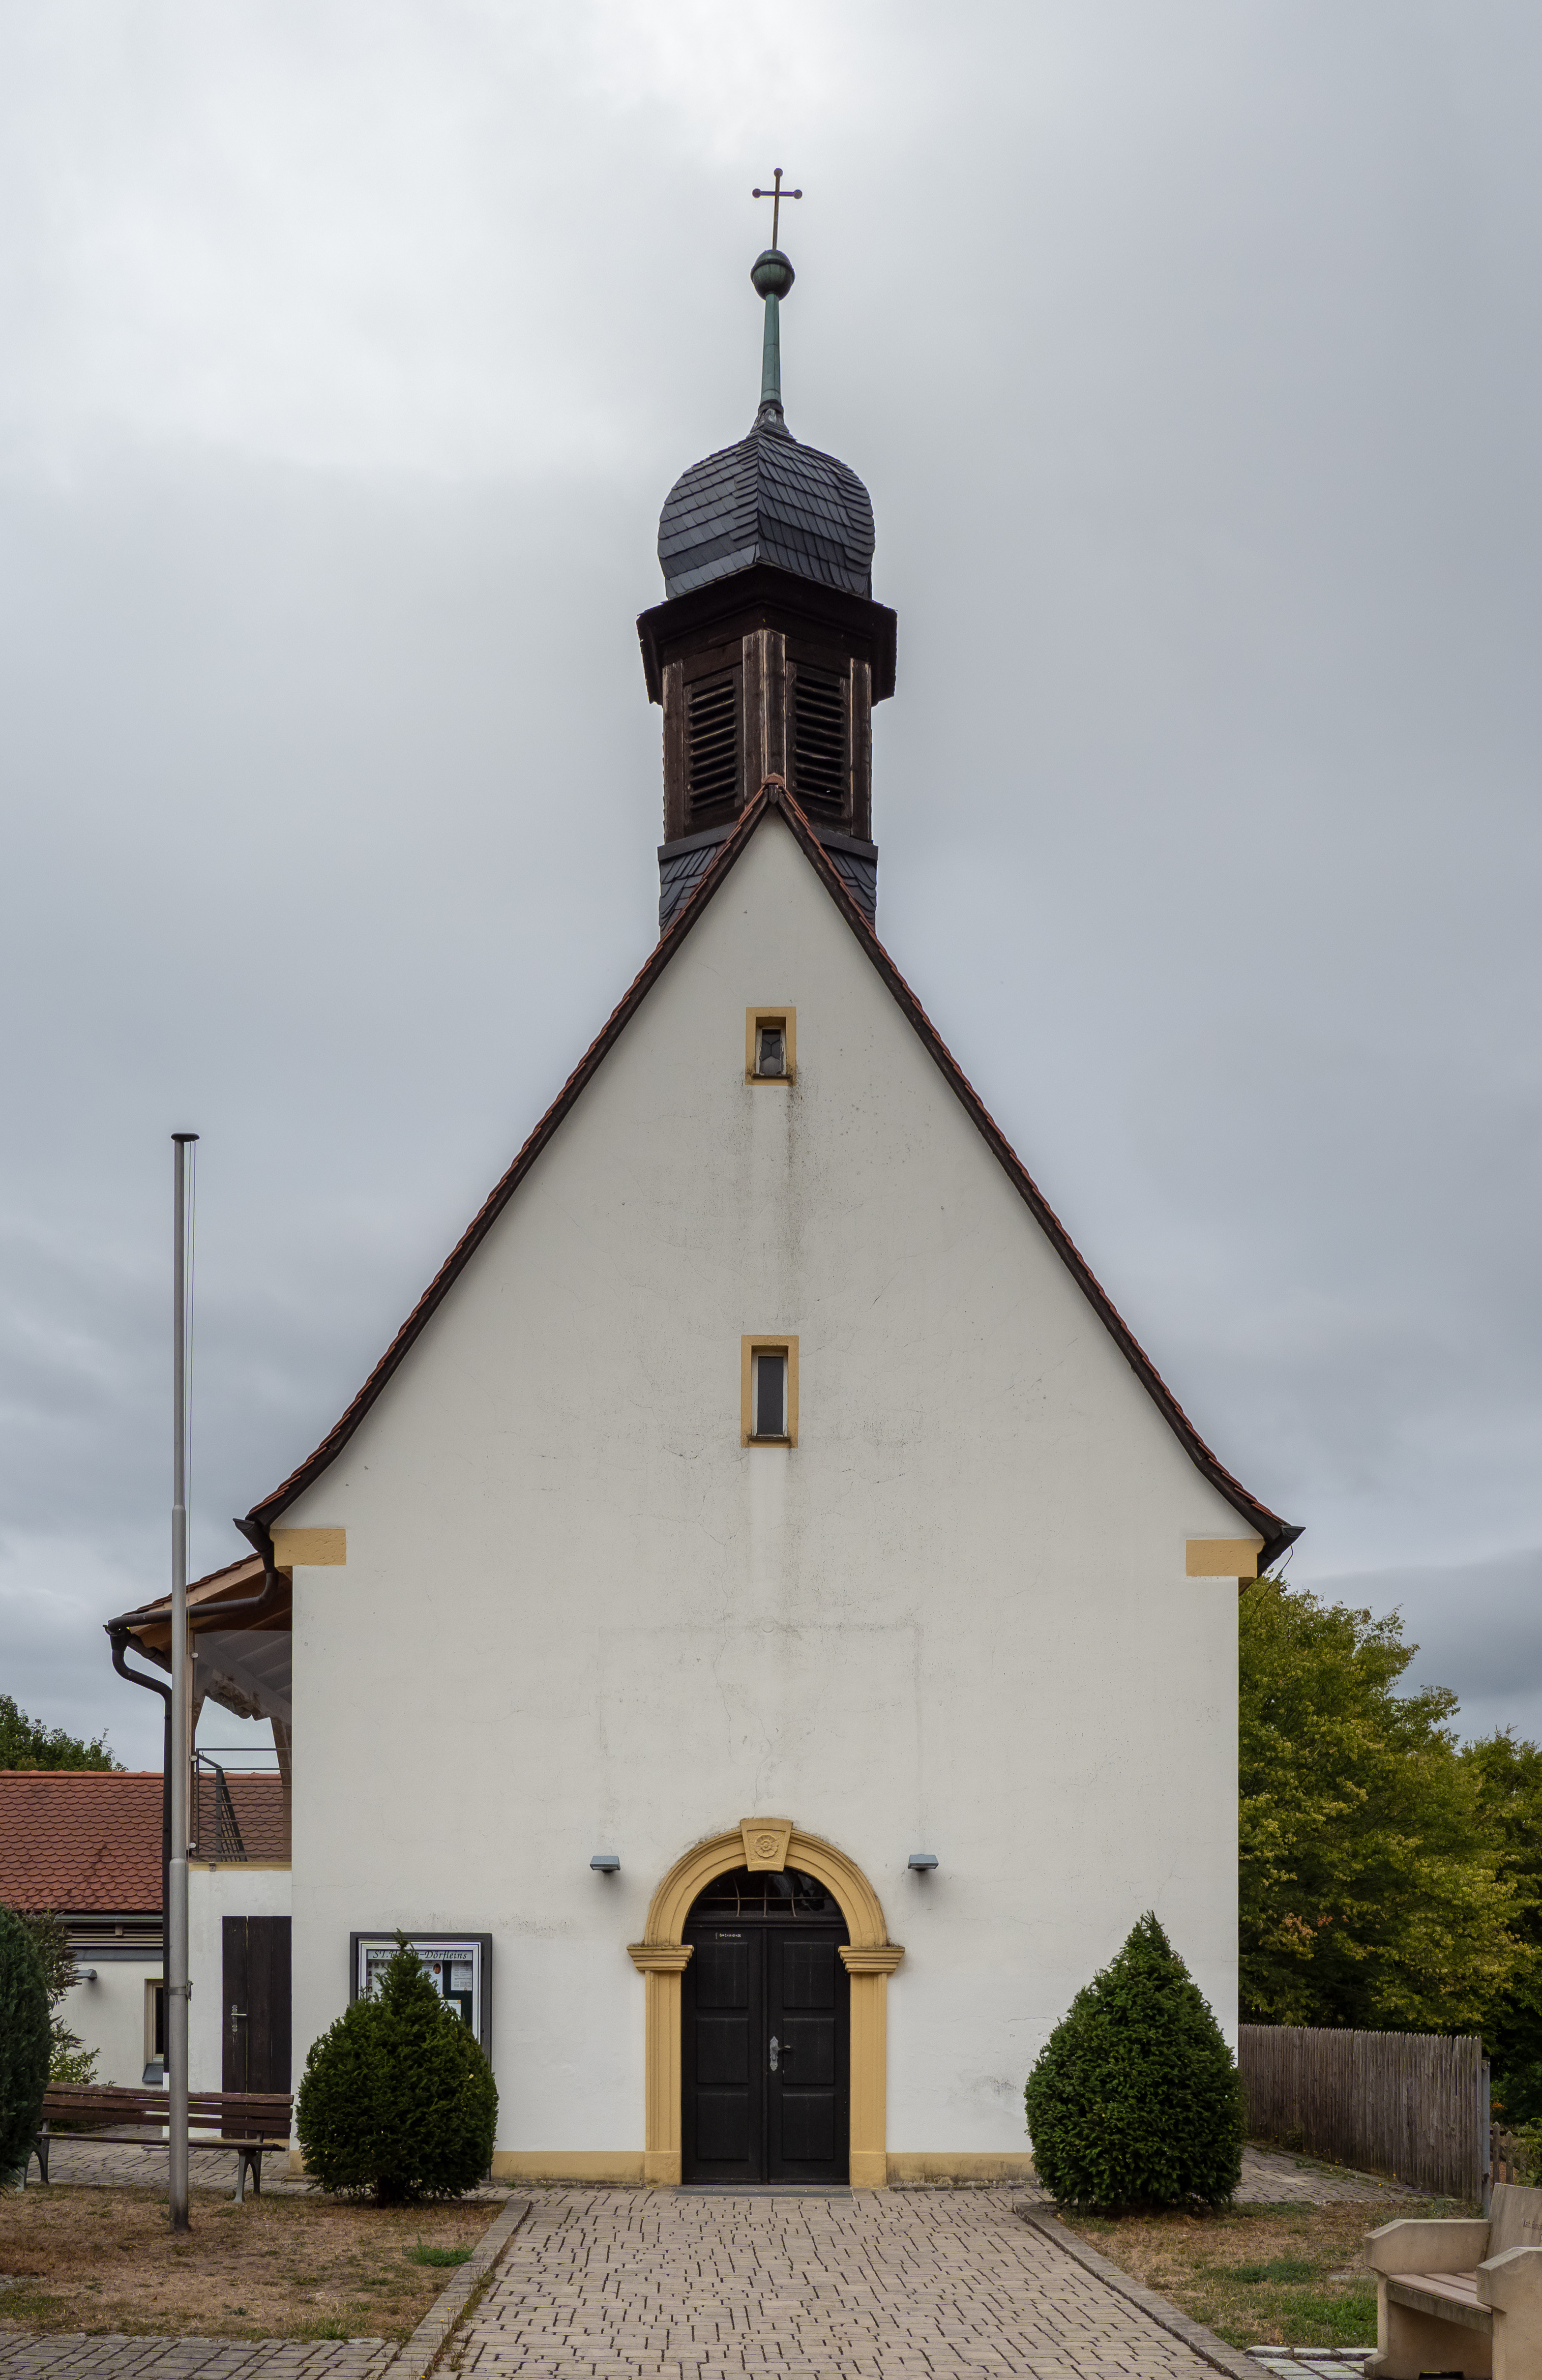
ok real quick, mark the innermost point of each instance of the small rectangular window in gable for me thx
(712, 740)
(770, 1045)
(771, 1394)
(820, 744)
(767, 1396)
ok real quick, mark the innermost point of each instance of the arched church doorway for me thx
(765, 2032)
(764, 1847)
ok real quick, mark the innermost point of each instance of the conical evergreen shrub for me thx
(26, 2038)
(1135, 2099)
(397, 2100)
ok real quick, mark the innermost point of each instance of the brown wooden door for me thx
(255, 1958)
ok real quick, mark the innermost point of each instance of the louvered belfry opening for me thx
(768, 651)
(712, 762)
(821, 764)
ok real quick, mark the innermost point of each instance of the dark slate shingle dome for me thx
(768, 499)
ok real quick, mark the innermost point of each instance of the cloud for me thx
(1478, 1628)
(1187, 354)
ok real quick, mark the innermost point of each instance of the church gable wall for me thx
(577, 1615)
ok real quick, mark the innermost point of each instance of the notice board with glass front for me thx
(459, 1966)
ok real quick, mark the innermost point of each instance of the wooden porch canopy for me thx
(242, 1662)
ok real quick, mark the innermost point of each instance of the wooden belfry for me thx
(768, 651)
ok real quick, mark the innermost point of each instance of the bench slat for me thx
(1449, 2297)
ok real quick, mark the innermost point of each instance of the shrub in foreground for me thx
(25, 2042)
(1135, 2099)
(69, 2058)
(397, 2100)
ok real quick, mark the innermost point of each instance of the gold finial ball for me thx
(772, 273)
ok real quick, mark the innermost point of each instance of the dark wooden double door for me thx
(766, 2044)
(256, 1980)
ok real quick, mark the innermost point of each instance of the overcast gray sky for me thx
(1190, 350)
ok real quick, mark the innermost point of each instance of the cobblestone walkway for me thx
(107, 2165)
(885, 2284)
(70, 2356)
(1271, 2177)
(1312, 2362)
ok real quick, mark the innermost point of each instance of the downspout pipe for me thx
(119, 1638)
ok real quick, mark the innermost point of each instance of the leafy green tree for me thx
(25, 1743)
(1509, 1778)
(68, 2059)
(1374, 1887)
(1135, 2099)
(24, 2044)
(397, 2100)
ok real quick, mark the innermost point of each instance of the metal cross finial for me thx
(776, 198)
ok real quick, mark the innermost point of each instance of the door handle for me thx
(235, 2012)
(775, 2046)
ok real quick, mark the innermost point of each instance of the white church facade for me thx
(764, 1628)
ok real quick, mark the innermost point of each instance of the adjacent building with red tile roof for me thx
(83, 1841)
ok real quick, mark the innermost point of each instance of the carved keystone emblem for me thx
(765, 1841)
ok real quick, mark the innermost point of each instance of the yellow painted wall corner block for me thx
(309, 1549)
(1222, 1556)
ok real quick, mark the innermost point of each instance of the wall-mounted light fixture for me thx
(606, 1862)
(923, 1861)
(83, 1975)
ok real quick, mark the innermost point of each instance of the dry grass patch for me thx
(1259, 2276)
(301, 2267)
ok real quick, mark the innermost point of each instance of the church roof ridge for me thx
(774, 795)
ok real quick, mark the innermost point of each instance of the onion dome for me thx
(768, 499)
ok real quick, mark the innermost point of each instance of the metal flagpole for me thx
(177, 1985)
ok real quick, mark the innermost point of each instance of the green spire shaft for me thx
(771, 275)
(771, 354)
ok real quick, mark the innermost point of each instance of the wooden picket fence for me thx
(1413, 2105)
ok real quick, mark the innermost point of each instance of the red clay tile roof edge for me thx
(773, 794)
(81, 1841)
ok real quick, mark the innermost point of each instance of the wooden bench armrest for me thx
(1419, 2246)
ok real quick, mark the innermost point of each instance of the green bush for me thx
(1135, 2099)
(25, 2042)
(69, 2060)
(397, 2100)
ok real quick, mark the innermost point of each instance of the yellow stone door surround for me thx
(762, 1845)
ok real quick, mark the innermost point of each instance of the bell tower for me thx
(767, 652)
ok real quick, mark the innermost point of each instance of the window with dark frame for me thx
(771, 1044)
(768, 1389)
(154, 2032)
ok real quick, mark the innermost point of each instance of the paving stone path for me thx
(1271, 2177)
(113, 2164)
(71, 2356)
(883, 2285)
(1312, 2362)
(651, 2285)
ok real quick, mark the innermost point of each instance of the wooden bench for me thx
(1461, 2296)
(251, 2122)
